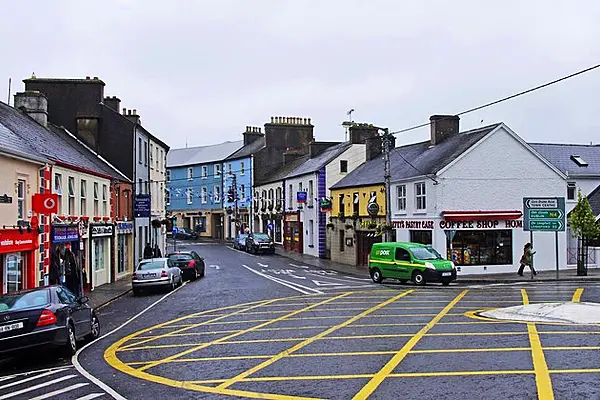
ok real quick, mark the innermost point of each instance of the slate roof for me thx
(594, 199)
(559, 155)
(53, 143)
(13, 144)
(249, 149)
(316, 163)
(423, 159)
(283, 172)
(202, 154)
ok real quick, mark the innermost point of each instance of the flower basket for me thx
(97, 219)
(330, 226)
(349, 226)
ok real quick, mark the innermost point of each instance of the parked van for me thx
(409, 261)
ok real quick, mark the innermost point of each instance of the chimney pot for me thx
(128, 112)
(134, 111)
(95, 78)
(124, 111)
(87, 77)
(309, 121)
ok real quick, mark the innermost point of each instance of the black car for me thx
(260, 243)
(189, 262)
(185, 234)
(50, 316)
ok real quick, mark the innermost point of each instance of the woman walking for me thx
(527, 259)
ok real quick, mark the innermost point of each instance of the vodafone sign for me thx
(46, 203)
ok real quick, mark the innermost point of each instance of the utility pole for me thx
(235, 202)
(385, 143)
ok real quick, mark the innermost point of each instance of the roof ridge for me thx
(563, 144)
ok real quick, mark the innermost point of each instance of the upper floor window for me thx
(278, 196)
(256, 200)
(401, 197)
(343, 166)
(83, 196)
(263, 199)
(168, 175)
(140, 151)
(204, 195)
(105, 200)
(355, 203)
(217, 194)
(242, 192)
(188, 195)
(96, 199)
(146, 153)
(157, 159)
(290, 195)
(310, 194)
(21, 190)
(341, 204)
(420, 196)
(271, 198)
(151, 156)
(190, 173)
(217, 170)
(168, 196)
(204, 172)
(242, 168)
(58, 190)
(571, 191)
(71, 195)
(229, 169)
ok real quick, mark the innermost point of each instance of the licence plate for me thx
(446, 273)
(144, 276)
(11, 327)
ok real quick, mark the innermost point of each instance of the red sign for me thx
(13, 241)
(46, 203)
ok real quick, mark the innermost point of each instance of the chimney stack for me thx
(133, 116)
(289, 132)
(35, 104)
(113, 102)
(252, 134)
(442, 126)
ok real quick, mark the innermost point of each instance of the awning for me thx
(481, 215)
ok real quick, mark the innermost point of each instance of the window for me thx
(342, 240)
(83, 197)
(256, 200)
(290, 194)
(217, 170)
(190, 173)
(355, 204)
(402, 255)
(204, 195)
(157, 159)
(96, 199)
(299, 186)
(311, 233)
(243, 192)
(71, 195)
(343, 166)
(21, 189)
(263, 200)
(168, 175)
(168, 196)
(151, 156)
(271, 199)
(341, 207)
(571, 191)
(204, 172)
(217, 194)
(140, 153)
(420, 196)
(423, 237)
(242, 168)
(104, 200)
(310, 194)
(98, 256)
(401, 198)
(65, 296)
(492, 247)
(58, 191)
(278, 197)
(579, 161)
(229, 170)
(146, 153)
(188, 195)
(140, 186)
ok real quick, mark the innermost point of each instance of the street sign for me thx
(544, 214)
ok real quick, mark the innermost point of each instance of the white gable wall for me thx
(308, 212)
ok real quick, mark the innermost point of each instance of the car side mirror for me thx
(83, 300)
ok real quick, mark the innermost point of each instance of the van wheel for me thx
(418, 278)
(376, 276)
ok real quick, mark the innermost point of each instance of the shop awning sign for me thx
(544, 214)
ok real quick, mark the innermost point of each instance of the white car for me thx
(156, 272)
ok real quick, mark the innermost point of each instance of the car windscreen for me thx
(20, 301)
(145, 266)
(261, 236)
(425, 253)
(242, 237)
(180, 257)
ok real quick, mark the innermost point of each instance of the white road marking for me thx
(33, 378)
(291, 285)
(344, 279)
(321, 283)
(96, 381)
(263, 265)
(299, 266)
(59, 391)
(240, 251)
(36, 387)
(214, 266)
(91, 396)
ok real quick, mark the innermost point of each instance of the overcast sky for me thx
(206, 69)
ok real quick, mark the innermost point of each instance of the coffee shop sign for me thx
(508, 224)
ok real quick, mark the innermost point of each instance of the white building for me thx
(157, 187)
(463, 193)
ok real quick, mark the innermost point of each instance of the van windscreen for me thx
(426, 253)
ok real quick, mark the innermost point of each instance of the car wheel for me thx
(71, 345)
(136, 292)
(202, 272)
(95, 333)
(418, 278)
(445, 282)
(376, 275)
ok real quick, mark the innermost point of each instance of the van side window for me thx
(402, 255)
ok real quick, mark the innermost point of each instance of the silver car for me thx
(156, 272)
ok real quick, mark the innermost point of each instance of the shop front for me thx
(65, 237)
(292, 232)
(17, 259)
(124, 248)
(101, 241)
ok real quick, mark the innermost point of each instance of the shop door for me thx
(364, 241)
(217, 223)
(13, 272)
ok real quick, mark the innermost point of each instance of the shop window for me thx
(571, 191)
(343, 166)
(356, 203)
(482, 247)
(423, 237)
(58, 190)
(204, 195)
(99, 255)
(242, 168)
(71, 195)
(188, 195)
(341, 205)
(96, 199)
(13, 272)
(21, 189)
(401, 198)
(104, 200)
(342, 240)
(217, 194)
(83, 197)
(420, 196)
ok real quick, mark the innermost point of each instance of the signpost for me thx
(544, 214)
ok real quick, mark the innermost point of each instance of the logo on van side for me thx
(384, 252)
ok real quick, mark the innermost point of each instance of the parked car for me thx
(45, 317)
(240, 241)
(189, 262)
(156, 273)
(185, 234)
(259, 242)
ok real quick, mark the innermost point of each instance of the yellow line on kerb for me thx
(384, 372)
(225, 338)
(577, 295)
(308, 341)
(542, 375)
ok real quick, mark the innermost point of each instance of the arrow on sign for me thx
(320, 283)
(542, 203)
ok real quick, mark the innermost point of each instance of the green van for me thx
(409, 261)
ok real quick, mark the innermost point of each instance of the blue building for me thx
(237, 185)
(195, 181)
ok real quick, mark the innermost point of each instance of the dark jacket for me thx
(148, 253)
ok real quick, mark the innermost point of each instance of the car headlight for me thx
(256, 242)
(429, 265)
(452, 263)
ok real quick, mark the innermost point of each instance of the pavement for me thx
(108, 292)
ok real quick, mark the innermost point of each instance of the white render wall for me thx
(310, 239)
(256, 207)
(355, 155)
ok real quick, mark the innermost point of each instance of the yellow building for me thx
(357, 221)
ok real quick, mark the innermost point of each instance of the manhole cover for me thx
(566, 313)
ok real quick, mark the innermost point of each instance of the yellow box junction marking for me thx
(225, 338)
(542, 375)
(388, 368)
(308, 341)
(577, 295)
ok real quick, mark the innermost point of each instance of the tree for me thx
(584, 227)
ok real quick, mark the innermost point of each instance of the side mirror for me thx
(83, 300)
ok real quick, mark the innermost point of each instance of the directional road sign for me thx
(544, 214)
